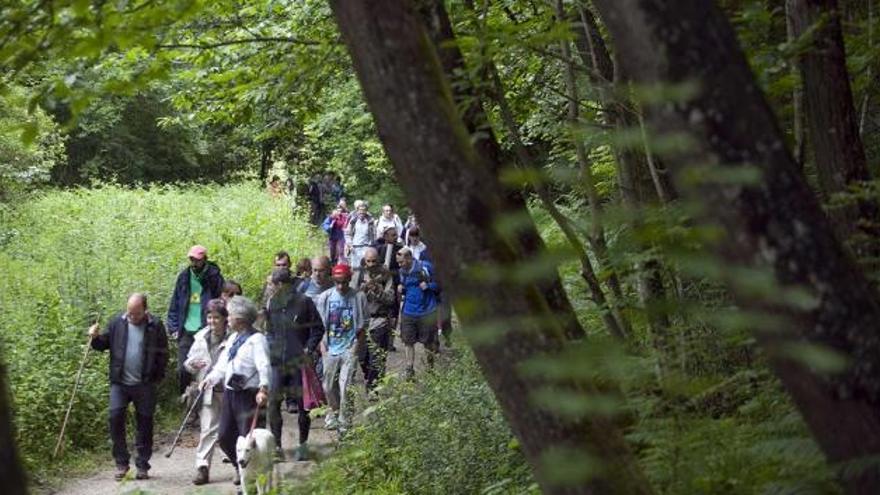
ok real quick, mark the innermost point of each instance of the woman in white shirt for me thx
(205, 351)
(243, 369)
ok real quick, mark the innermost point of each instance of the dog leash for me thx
(254, 421)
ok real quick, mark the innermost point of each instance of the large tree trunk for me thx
(831, 115)
(529, 242)
(457, 197)
(776, 224)
(12, 477)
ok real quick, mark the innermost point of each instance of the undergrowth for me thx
(69, 258)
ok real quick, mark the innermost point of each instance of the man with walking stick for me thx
(138, 356)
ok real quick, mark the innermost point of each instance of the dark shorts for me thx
(421, 329)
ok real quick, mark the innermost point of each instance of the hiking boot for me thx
(121, 471)
(201, 476)
(142, 474)
(236, 478)
(301, 453)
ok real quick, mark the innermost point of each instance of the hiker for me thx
(244, 372)
(411, 223)
(320, 280)
(359, 234)
(336, 188)
(388, 257)
(204, 352)
(303, 275)
(281, 260)
(316, 200)
(231, 288)
(343, 311)
(274, 188)
(388, 219)
(138, 356)
(294, 331)
(197, 284)
(388, 249)
(419, 316)
(415, 244)
(377, 284)
(334, 226)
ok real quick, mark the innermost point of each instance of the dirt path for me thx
(174, 476)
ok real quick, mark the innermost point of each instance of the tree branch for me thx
(241, 41)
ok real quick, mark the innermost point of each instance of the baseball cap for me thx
(198, 252)
(341, 269)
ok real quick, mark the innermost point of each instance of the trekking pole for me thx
(82, 366)
(185, 419)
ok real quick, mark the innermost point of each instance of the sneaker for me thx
(201, 476)
(301, 453)
(142, 474)
(121, 471)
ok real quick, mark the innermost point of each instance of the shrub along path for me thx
(174, 476)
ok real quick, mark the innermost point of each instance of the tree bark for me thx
(776, 224)
(529, 242)
(830, 113)
(799, 142)
(12, 477)
(431, 150)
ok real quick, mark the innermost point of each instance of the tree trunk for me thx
(776, 224)
(597, 231)
(529, 242)
(799, 142)
(265, 161)
(831, 115)
(12, 477)
(431, 150)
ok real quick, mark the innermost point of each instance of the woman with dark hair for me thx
(206, 348)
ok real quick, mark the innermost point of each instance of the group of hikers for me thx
(319, 319)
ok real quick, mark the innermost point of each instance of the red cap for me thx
(198, 252)
(341, 269)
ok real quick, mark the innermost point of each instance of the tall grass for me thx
(69, 258)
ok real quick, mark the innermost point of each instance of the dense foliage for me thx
(70, 258)
(183, 90)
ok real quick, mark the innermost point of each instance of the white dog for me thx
(256, 462)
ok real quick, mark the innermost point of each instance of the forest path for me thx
(174, 476)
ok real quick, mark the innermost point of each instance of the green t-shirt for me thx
(193, 321)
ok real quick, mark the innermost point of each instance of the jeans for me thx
(344, 364)
(235, 419)
(144, 398)
(184, 342)
(286, 385)
(372, 356)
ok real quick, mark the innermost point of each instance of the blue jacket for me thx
(418, 302)
(212, 286)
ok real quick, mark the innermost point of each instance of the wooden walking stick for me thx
(82, 366)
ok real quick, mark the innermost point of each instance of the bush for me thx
(71, 257)
(445, 434)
